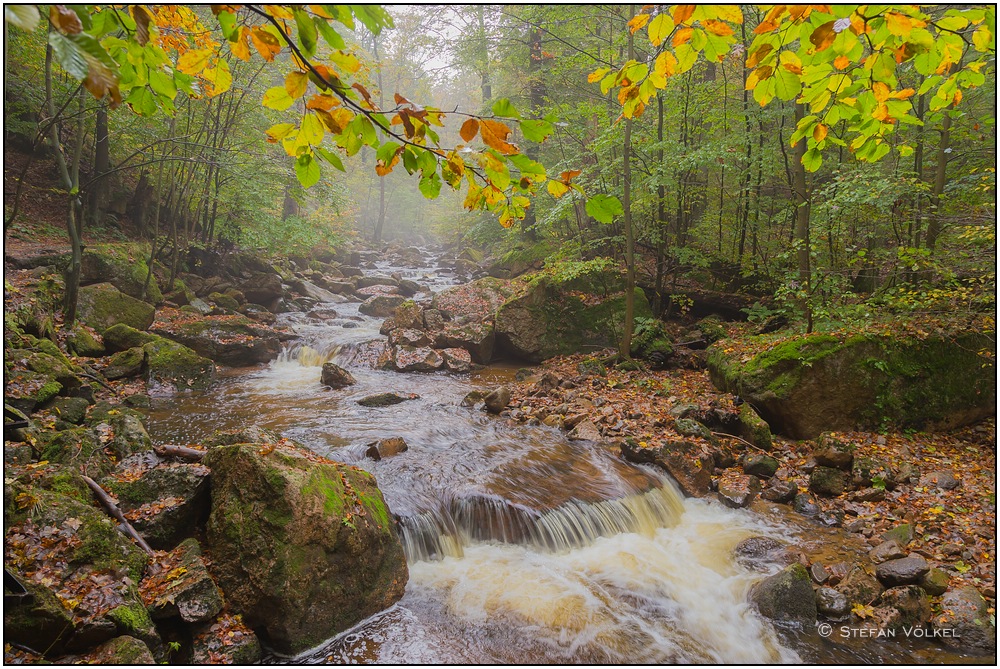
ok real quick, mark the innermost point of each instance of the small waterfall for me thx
(433, 535)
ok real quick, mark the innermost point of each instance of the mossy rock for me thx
(309, 546)
(122, 337)
(173, 365)
(122, 265)
(822, 382)
(102, 305)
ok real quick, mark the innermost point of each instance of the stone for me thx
(386, 448)
(966, 617)
(497, 399)
(859, 586)
(827, 481)
(943, 480)
(310, 545)
(832, 604)
(833, 452)
(336, 377)
(102, 305)
(935, 582)
(754, 429)
(190, 595)
(688, 463)
(760, 553)
(381, 306)
(384, 399)
(456, 360)
(738, 490)
(760, 465)
(902, 571)
(911, 602)
(786, 597)
(585, 430)
(780, 491)
(819, 382)
(887, 550)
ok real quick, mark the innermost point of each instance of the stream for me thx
(523, 546)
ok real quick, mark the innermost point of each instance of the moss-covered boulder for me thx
(123, 266)
(232, 340)
(552, 318)
(814, 383)
(171, 366)
(102, 305)
(303, 547)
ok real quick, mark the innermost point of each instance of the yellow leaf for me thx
(194, 61)
(637, 22)
(296, 84)
(469, 130)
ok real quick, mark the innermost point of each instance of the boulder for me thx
(965, 621)
(786, 597)
(902, 571)
(688, 463)
(232, 340)
(737, 490)
(102, 305)
(335, 376)
(386, 448)
(551, 318)
(381, 306)
(310, 545)
(185, 590)
(819, 382)
(497, 399)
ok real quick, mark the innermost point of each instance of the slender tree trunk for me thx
(626, 344)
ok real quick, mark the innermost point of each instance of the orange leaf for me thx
(841, 62)
(267, 45)
(819, 132)
(823, 36)
(495, 134)
(682, 13)
(637, 22)
(469, 130)
(682, 36)
(717, 27)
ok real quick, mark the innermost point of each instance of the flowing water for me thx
(523, 547)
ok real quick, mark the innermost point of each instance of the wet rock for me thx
(692, 428)
(943, 480)
(335, 376)
(191, 595)
(497, 399)
(738, 490)
(688, 463)
(902, 571)
(780, 491)
(827, 481)
(585, 431)
(966, 617)
(125, 364)
(911, 602)
(859, 586)
(786, 597)
(832, 604)
(833, 452)
(384, 399)
(887, 550)
(386, 448)
(753, 428)
(102, 305)
(935, 582)
(760, 465)
(759, 553)
(310, 545)
(456, 360)
(381, 306)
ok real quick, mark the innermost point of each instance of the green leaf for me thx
(604, 208)
(307, 170)
(307, 32)
(812, 160)
(24, 17)
(503, 107)
(430, 186)
(277, 98)
(68, 55)
(331, 36)
(331, 158)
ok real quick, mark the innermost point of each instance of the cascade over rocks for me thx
(310, 548)
(820, 382)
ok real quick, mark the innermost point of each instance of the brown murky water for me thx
(523, 547)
